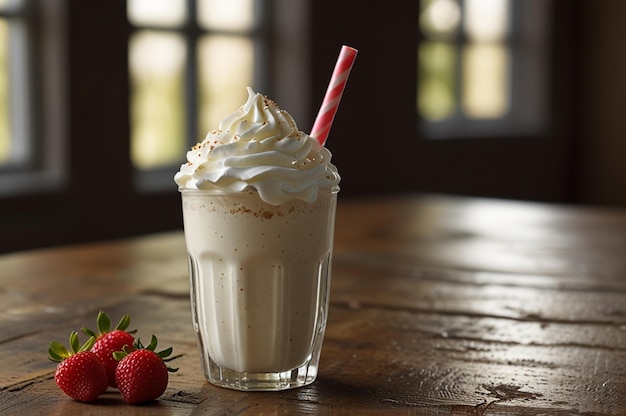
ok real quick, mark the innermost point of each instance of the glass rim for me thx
(246, 191)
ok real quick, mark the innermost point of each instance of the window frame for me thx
(39, 112)
(84, 188)
(159, 178)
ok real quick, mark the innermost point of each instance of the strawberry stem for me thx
(119, 355)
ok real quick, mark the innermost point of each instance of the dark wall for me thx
(373, 135)
(602, 102)
(375, 139)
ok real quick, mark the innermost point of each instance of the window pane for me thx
(5, 127)
(15, 93)
(485, 80)
(486, 20)
(436, 98)
(440, 17)
(226, 66)
(11, 5)
(157, 12)
(157, 62)
(226, 14)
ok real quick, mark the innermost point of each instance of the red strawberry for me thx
(142, 374)
(107, 342)
(80, 373)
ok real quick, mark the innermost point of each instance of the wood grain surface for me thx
(439, 305)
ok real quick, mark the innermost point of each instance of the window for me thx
(31, 142)
(190, 61)
(109, 78)
(482, 67)
(15, 145)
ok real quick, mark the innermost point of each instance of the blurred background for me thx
(99, 101)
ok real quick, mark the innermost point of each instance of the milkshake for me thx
(259, 201)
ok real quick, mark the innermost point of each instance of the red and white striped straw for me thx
(338, 80)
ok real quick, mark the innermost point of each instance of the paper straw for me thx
(338, 80)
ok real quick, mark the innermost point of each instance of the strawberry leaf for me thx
(88, 332)
(104, 323)
(165, 353)
(74, 342)
(124, 323)
(151, 347)
(88, 344)
(57, 352)
(153, 344)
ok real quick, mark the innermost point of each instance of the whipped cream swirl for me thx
(260, 147)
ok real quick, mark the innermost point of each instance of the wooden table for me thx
(439, 305)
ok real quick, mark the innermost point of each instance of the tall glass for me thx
(260, 280)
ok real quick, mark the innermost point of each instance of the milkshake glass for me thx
(259, 200)
(260, 278)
